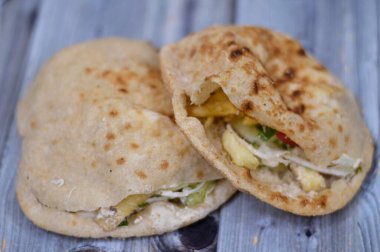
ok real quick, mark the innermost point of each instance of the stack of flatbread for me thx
(102, 154)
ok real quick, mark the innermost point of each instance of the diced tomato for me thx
(281, 136)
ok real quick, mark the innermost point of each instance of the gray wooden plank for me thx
(341, 35)
(60, 24)
(16, 24)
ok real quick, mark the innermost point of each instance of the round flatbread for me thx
(97, 128)
(268, 77)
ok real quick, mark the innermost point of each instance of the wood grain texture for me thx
(343, 35)
(16, 24)
(63, 23)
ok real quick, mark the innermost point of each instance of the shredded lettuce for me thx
(186, 191)
(199, 196)
(273, 157)
(189, 195)
(266, 133)
(124, 222)
(118, 216)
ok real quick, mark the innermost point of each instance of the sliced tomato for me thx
(281, 136)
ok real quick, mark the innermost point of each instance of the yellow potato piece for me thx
(209, 121)
(247, 121)
(310, 180)
(130, 203)
(217, 105)
(115, 215)
(239, 154)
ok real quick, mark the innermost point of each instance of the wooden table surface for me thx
(344, 35)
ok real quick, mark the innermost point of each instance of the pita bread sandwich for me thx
(101, 156)
(269, 116)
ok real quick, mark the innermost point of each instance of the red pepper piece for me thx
(285, 139)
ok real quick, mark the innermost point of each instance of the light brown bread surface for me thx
(270, 77)
(96, 127)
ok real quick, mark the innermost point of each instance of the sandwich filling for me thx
(189, 195)
(254, 146)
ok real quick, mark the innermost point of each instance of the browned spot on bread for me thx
(33, 124)
(301, 52)
(277, 196)
(206, 49)
(135, 145)
(81, 96)
(296, 93)
(299, 109)
(230, 43)
(110, 136)
(156, 133)
(340, 128)
(93, 164)
(172, 118)
(332, 142)
(235, 54)
(54, 141)
(73, 222)
(273, 68)
(311, 124)
(141, 174)
(105, 73)
(120, 161)
(304, 201)
(88, 70)
(164, 165)
(247, 174)
(321, 201)
(247, 68)
(320, 67)
(301, 127)
(127, 126)
(120, 80)
(276, 51)
(346, 139)
(123, 90)
(192, 52)
(200, 174)
(305, 79)
(113, 113)
(106, 147)
(313, 147)
(247, 106)
(289, 73)
(152, 86)
(183, 151)
(255, 87)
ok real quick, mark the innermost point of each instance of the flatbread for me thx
(269, 76)
(96, 127)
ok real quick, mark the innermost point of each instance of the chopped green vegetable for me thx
(249, 132)
(280, 168)
(198, 197)
(142, 205)
(123, 223)
(176, 201)
(256, 145)
(360, 169)
(266, 133)
(280, 144)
